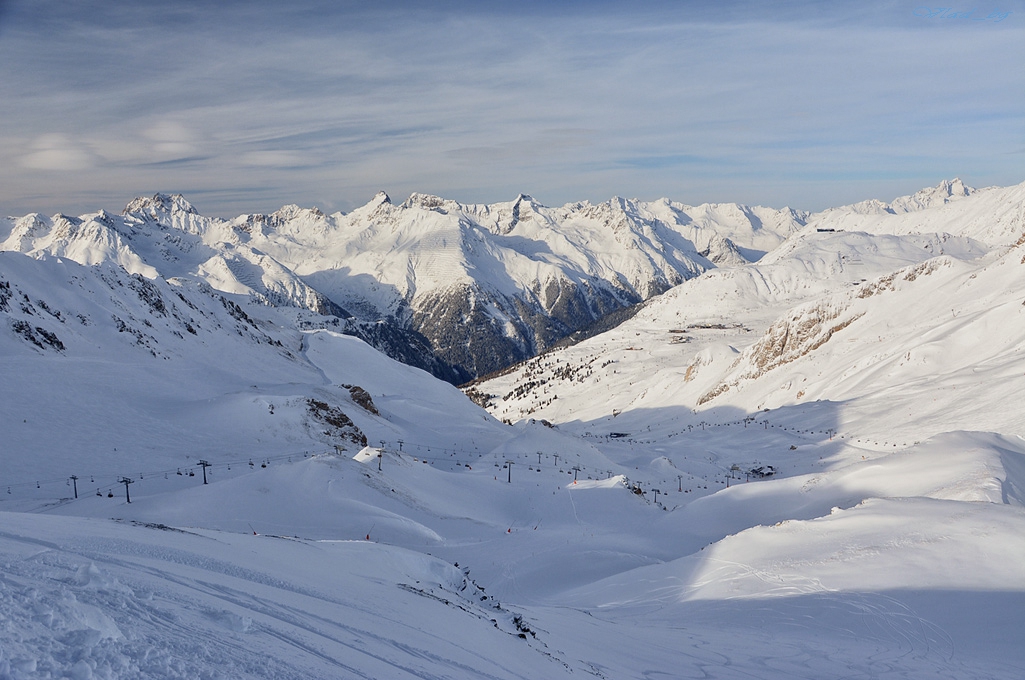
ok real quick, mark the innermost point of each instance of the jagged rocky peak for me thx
(723, 252)
(612, 213)
(523, 209)
(164, 203)
(625, 204)
(249, 220)
(62, 219)
(26, 229)
(378, 209)
(955, 187)
(64, 225)
(426, 201)
(293, 211)
(103, 217)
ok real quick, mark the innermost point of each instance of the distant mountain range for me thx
(459, 290)
(907, 304)
(463, 290)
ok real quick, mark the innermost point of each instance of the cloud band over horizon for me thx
(254, 105)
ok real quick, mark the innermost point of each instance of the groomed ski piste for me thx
(809, 467)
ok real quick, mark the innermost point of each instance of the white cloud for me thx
(171, 140)
(57, 152)
(579, 103)
(271, 159)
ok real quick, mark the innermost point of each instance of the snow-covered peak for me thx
(432, 263)
(165, 203)
(32, 221)
(61, 218)
(723, 252)
(995, 215)
(24, 230)
(611, 213)
(944, 192)
(104, 218)
(293, 211)
(873, 206)
(426, 201)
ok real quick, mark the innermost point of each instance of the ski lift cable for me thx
(465, 457)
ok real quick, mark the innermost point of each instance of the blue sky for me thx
(246, 106)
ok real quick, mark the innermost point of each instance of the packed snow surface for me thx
(806, 467)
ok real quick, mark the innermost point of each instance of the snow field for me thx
(887, 543)
(90, 598)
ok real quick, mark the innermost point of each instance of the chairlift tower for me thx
(126, 481)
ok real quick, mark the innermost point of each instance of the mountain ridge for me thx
(529, 275)
(463, 290)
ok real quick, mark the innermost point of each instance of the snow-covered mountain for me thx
(810, 466)
(483, 286)
(995, 215)
(734, 328)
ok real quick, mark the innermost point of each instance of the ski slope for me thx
(809, 467)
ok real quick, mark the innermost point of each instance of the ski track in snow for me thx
(260, 606)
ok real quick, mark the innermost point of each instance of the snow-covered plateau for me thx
(802, 456)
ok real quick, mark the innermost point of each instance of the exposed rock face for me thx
(334, 423)
(481, 332)
(797, 334)
(464, 333)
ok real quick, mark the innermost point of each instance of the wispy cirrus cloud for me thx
(325, 103)
(57, 152)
